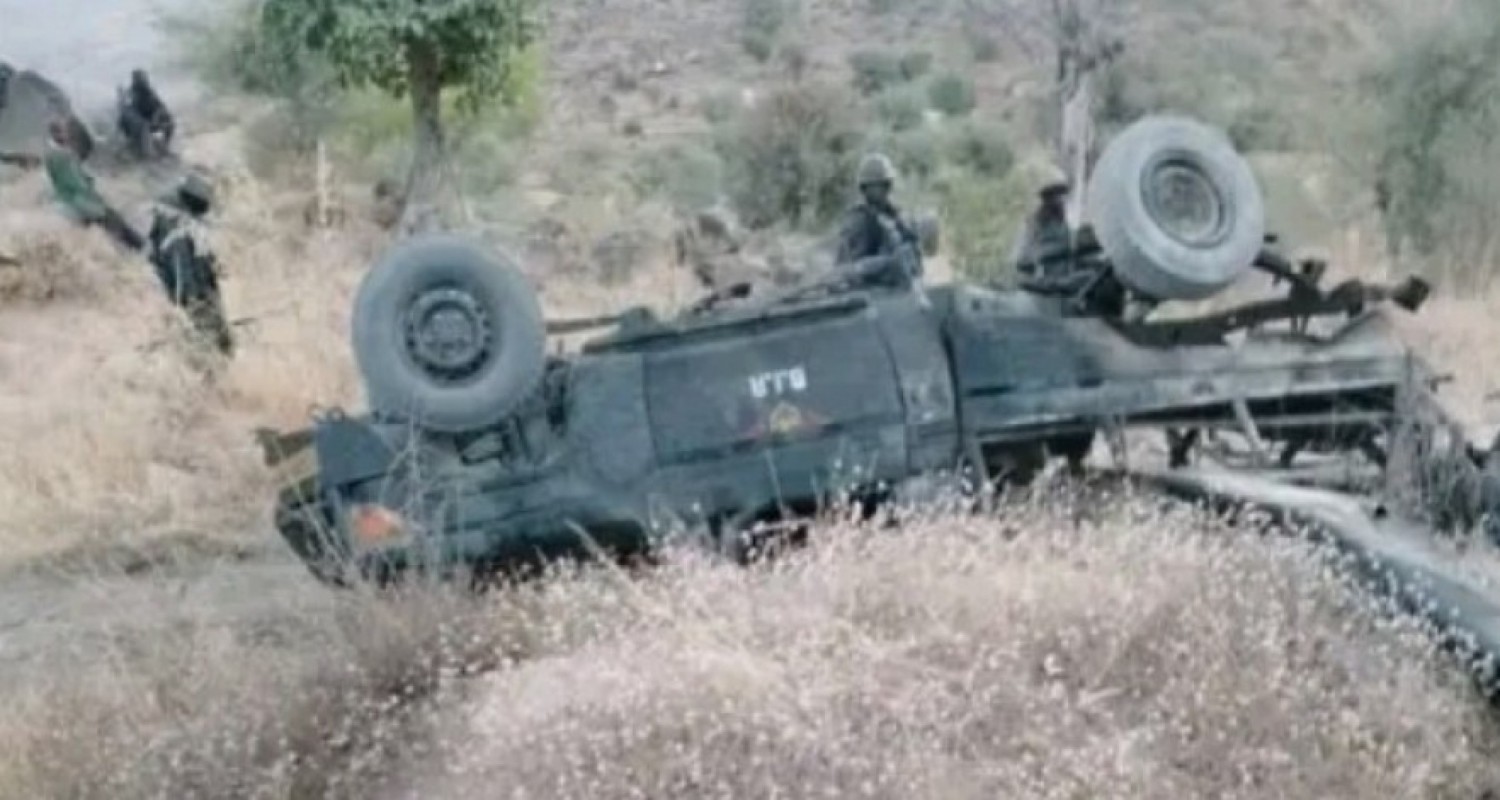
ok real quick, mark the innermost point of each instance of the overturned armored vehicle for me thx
(480, 450)
(28, 104)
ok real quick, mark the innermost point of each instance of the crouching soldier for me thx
(144, 119)
(183, 262)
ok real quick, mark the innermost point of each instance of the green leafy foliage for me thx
(761, 24)
(791, 157)
(901, 108)
(915, 64)
(689, 176)
(983, 46)
(981, 218)
(982, 148)
(474, 46)
(1439, 104)
(917, 154)
(952, 94)
(878, 70)
(875, 70)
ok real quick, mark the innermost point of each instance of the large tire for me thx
(447, 334)
(1178, 211)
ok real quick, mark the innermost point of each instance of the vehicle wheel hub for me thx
(448, 333)
(1185, 203)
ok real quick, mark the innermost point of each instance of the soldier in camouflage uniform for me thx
(185, 265)
(1046, 233)
(875, 228)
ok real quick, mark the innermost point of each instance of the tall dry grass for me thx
(1073, 646)
(117, 432)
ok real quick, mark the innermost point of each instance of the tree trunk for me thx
(426, 182)
(1082, 49)
(1077, 140)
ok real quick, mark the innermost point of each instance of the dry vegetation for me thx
(1100, 647)
(1057, 651)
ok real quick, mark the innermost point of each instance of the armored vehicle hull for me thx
(482, 452)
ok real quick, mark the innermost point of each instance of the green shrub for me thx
(952, 94)
(875, 70)
(791, 158)
(901, 108)
(761, 25)
(915, 64)
(689, 177)
(916, 153)
(983, 46)
(981, 219)
(718, 106)
(1438, 96)
(982, 148)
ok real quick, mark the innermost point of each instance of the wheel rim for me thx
(1185, 203)
(448, 333)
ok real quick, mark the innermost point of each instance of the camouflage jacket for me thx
(870, 231)
(181, 255)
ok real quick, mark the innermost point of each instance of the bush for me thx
(952, 94)
(719, 106)
(915, 64)
(791, 158)
(762, 22)
(689, 177)
(901, 108)
(982, 148)
(984, 47)
(915, 152)
(1438, 96)
(875, 70)
(981, 219)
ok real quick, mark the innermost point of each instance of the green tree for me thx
(417, 49)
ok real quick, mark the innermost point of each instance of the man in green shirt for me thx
(75, 189)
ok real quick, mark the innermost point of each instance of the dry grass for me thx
(1107, 646)
(118, 433)
(1074, 646)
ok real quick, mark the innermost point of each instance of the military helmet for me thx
(193, 194)
(876, 168)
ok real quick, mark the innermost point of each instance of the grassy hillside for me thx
(1064, 645)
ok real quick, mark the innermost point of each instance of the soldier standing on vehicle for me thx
(1046, 233)
(75, 189)
(184, 264)
(875, 227)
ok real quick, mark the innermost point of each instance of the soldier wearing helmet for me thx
(184, 264)
(1046, 234)
(875, 227)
